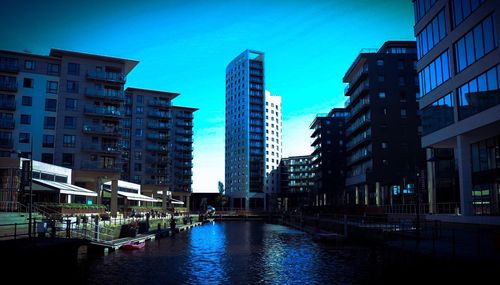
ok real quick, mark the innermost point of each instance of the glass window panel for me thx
(481, 83)
(457, 11)
(492, 79)
(460, 54)
(463, 92)
(474, 4)
(424, 42)
(466, 8)
(469, 48)
(435, 31)
(442, 25)
(429, 38)
(478, 41)
(427, 80)
(473, 86)
(489, 40)
(445, 65)
(439, 71)
(432, 71)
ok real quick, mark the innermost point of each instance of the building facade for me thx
(459, 73)
(328, 157)
(245, 131)
(297, 181)
(71, 108)
(383, 148)
(273, 149)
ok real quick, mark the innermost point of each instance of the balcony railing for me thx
(363, 103)
(156, 171)
(6, 143)
(159, 103)
(159, 125)
(158, 136)
(106, 76)
(365, 119)
(365, 85)
(184, 140)
(157, 148)
(8, 104)
(101, 130)
(184, 115)
(105, 93)
(157, 182)
(100, 166)
(103, 111)
(7, 123)
(102, 148)
(157, 114)
(159, 160)
(8, 85)
(9, 66)
(357, 140)
(184, 124)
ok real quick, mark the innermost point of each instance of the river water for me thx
(235, 253)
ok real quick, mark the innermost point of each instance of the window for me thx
(138, 155)
(438, 115)
(421, 7)
(434, 74)
(67, 159)
(27, 101)
(29, 64)
(28, 83)
(50, 105)
(475, 44)
(25, 119)
(137, 167)
(53, 68)
(49, 123)
(24, 138)
(48, 158)
(381, 95)
(69, 140)
(69, 122)
(384, 145)
(138, 132)
(479, 94)
(139, 99)
(138, 143)
(401, 81)
(401, 64)
(71, 104)
(139, 110)
(431, 35)
(380, 62)
(48, 141)
(381, 78)
(403, 113)
(73, 68)
(72, 86)
(461, 9)
(52, 87)
(139, 122)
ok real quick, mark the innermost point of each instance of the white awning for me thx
(65, 188)
(135, 196)
(175, 201)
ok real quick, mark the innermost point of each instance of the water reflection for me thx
(233, 253)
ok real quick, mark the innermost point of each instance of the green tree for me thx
(221, 199)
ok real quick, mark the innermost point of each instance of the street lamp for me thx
(30, 208)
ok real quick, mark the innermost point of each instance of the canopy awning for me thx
(63, 188)
(135, 196)
(175, 201)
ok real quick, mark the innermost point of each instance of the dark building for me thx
(459, 73)
(382, 139)
(328, 157)
(297, 181)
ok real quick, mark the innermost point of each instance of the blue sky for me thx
(184, 46)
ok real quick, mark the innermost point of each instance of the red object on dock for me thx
(133, 245)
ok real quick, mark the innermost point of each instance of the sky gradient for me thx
(184, 46)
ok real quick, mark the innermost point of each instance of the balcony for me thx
(6, 143)
(184, 124)
(184, 133)
(184, 115)
(159, 125)
(103, 111)
(100, 166)
(159, 114)
(157, 148)
(7, 123)
(8, 85)
(362, 87)
(360, 122)
(156, 182)
(359, 139)
(159, 103)
(105, 93)
(8, 104)
(361, 105)
(102, 148)
(112, 131)
(11, 66)
(183, 157)
(180, 148)
(356, 78)
(107, 76)
(159, 160)
(184, 140)
(158, 137)
(359, 156)
(162, 171)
